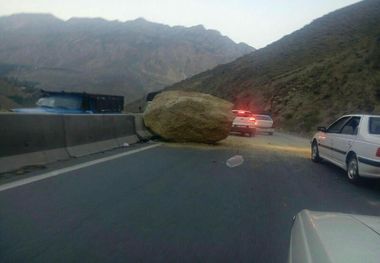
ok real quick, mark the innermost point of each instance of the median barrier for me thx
(88, 134)
(37, 139)
(30, 139)
(124, 129)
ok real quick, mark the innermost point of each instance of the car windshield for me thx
(374, 125)
(64, 102)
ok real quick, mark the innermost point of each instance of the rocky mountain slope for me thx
(94, 55)
(328, 68)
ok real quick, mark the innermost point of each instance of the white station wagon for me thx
(352, 143)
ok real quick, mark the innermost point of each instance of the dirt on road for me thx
(279, 142)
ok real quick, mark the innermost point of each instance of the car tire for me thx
(315, 153)
(271, 133)
(353, 169)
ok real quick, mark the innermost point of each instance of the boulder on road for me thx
(181, 116)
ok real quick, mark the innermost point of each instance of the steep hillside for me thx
(96, 55)
(328, 68)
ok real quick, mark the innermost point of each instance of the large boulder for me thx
(189, 117)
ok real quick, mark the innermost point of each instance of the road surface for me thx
(175, 203)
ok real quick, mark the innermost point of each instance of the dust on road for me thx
(279, 142)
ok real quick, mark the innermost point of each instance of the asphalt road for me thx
(177, 203)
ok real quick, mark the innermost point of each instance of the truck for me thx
(75, 103)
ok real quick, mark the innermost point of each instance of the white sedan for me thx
(264, 123)
(352, 143)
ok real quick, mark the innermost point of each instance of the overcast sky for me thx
(256, 22)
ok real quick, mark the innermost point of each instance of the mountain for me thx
(95, 55)
(328, 68)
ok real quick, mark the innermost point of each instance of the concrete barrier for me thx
(124, 129)
(88, 134)
(142, 132)
(30, 140)
(33, 139)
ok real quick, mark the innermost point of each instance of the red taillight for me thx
(253, 120)
(378, 152)
(241, 112)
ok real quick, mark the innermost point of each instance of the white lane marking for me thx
(36, 178)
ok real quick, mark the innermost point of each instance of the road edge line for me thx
(54, 173)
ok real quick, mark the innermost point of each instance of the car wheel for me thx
(315, 153)
(271, 133)
(353, 169)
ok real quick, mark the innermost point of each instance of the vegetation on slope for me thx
(328, 68)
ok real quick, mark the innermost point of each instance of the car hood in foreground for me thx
(334, 238)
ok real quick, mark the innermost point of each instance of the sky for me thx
(255, 22)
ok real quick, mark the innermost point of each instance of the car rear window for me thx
(374, 125)
(262, 118)
(242, 114)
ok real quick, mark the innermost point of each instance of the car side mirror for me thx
(322, 129)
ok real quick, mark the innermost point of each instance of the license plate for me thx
(241, 126)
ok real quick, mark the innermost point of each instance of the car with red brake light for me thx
(244, 123)
(352, 143)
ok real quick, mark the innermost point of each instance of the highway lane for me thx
(177, 203)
